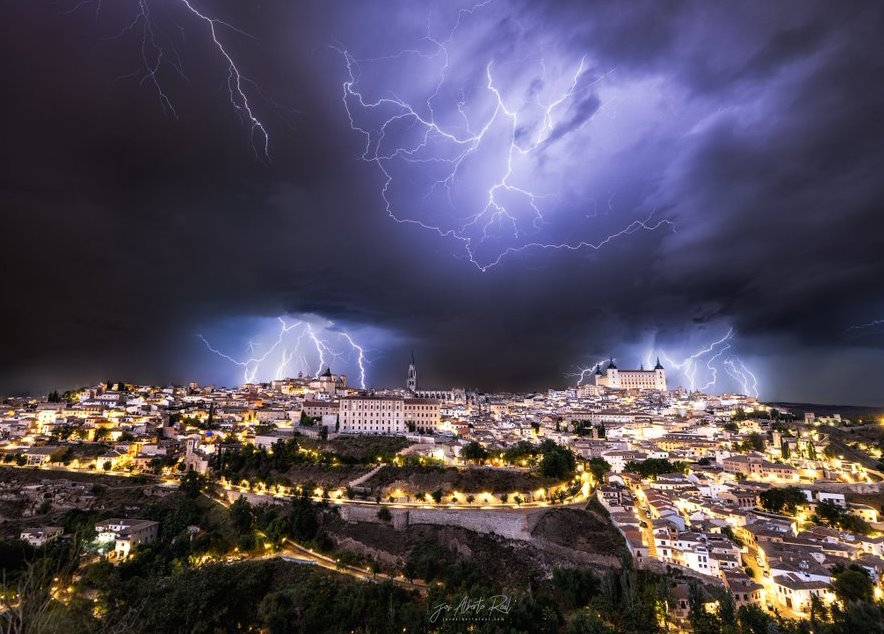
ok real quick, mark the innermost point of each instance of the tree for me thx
(280, 612)
(653, 467)
(598, 467)
(786, 499)
(589, 623)
(191, 484)
(302, 519)
(853, 584)
(752, 442)
(474, 451)
(753, 620)
(384, 514)
(437, 496)
(576, 586)
(241, 515)
(521, 451)
(557, 461)
(107, 465)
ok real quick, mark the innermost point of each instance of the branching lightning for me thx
(743, 375)
(708, 357)
(582, 371)
(511, 210)
(159, 52)
(314, 345)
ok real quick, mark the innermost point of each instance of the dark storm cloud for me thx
(755, 128)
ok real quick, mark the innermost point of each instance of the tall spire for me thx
(658, 366)
(411, 381)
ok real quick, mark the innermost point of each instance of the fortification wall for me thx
(512, 524)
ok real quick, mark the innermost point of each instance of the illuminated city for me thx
(489, 317)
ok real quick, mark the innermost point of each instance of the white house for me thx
(126, 534)
(43, 535)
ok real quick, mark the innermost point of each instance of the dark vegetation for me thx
(188, 581)
(653, 467)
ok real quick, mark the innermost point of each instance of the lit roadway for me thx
(302, 554)
(581, 498)
(647, 533)
(481, 501)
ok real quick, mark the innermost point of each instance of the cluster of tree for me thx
(598, 467)
(247, 462)
(834, 515)
(653, 467)
(752, 442)
(273, 523)
(623, 600)
(161, 589)
(521, 452)
(556, 461)
(18, 458)
(474, 452)
(782, 499)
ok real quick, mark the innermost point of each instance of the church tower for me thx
(659, 377)
(411, 383)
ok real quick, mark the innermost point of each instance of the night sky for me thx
(733, 153)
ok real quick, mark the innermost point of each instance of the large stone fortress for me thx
(616, 379)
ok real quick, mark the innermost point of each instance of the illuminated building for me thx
(616, 379)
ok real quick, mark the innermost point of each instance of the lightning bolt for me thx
(360, 358)
(581, 372)
(252, 365)
(321, 349)
(308, 344)
(746, 378)
(449, 147)
(712, 370)
(731, 364)
(283, 364)
(859, 328)
(158, 52)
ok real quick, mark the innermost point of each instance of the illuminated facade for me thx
(616, 379)
(388, 415)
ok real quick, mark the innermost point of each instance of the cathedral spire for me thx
(411, 381)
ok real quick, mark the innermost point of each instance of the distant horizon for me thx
(35, 394)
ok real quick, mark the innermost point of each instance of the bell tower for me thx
(411, 383)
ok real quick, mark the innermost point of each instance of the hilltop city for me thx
(732, 502)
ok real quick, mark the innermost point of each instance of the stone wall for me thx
(859, 488)
(511, 524)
